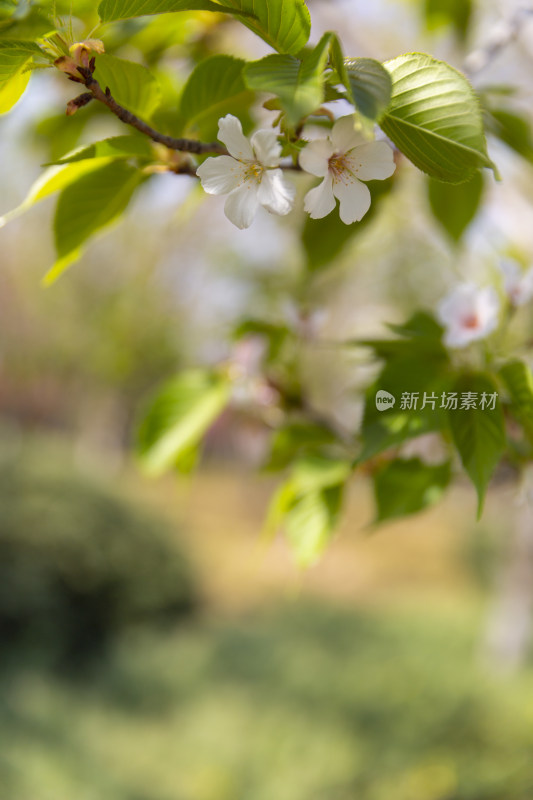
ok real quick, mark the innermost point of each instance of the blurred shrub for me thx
(78, 563)
(307, 704)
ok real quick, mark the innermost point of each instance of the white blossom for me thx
(249, 175)
(344, 160)
(468, 313)
(517, 282)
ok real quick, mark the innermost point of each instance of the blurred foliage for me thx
(306, 704)
(78, 563)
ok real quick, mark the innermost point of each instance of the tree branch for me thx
(84, 75)
(183, 145)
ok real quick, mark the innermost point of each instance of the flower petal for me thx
(275, 192)
(221, 174)
(456, 336)
(266, 148)
(230, 133)
(373, 161)
(457, 304)
(315, 156)
(344, 135)
(354, 196)
(242, 204)
(320, 202)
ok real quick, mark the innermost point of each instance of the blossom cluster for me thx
(251, 174)
(469, 312)
(451, 401)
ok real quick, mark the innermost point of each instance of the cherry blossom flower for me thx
(468, 313)
(344, 160)
(250, 175)
(518, 283)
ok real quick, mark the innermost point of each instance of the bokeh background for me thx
(153, 646)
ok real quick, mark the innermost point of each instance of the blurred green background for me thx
(153, 647)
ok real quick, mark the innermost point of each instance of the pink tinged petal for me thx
(373, 161)
(315, 156)
(344, 136)
(320, 202)
(468, 314)
(488, 308)
(457, 304)
(266, 148)
(275, 192)
(242, 204)
(354, 198)
(221, 175)
(230, 133)
(458, 337)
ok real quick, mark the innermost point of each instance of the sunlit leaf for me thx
(52, 180)
(12, 90)
(308, 504)
(111, 10)
(88, 205)
(116, 147)
(178, 417)
(14, 55)
(299, 84)
(434, 118)
(284, 24)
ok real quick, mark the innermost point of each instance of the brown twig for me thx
(183, 145)
(84, 75)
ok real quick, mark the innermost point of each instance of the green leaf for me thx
(434, 118)
(406, 486)
(111, 10)
(324, 239)
(299, 84)
(308, 506)
(518, 380)
(178, 417)
(13, 55)
(310, 523)
(368, 84)
(421, 336)
(88, 205)
(456, 13)
(116, 147)
(12, 90)
(454, 207)
(283, 24)
(297, 440)
(511, 128)
(54, 179)
(401, 375)
(215, 88)
(478, 434)
(132, 85)
(28, 27)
